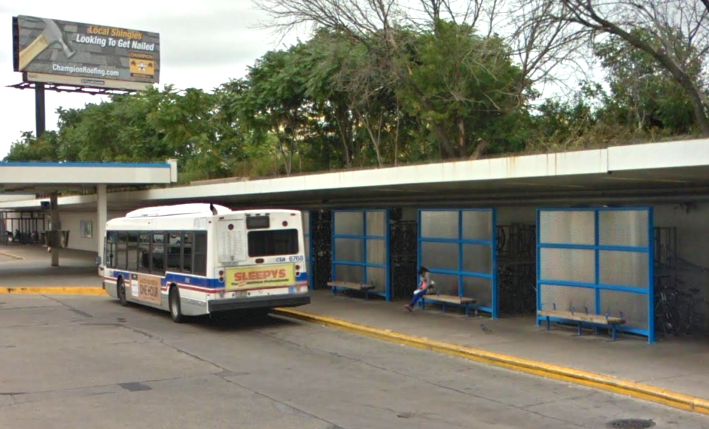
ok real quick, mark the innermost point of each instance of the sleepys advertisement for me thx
(259, 277)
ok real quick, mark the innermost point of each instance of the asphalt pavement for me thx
(86, 362)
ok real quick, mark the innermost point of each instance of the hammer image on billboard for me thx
(48, 50)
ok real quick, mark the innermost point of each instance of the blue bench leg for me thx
(467, 311)
(444, 307)
(422, 303)
(548, 324)
(579, 329)
(366, 294)
(595, 330)
(614, 332)
(334, 290)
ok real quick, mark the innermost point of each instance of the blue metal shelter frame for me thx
(463, 238)
(371, 241)
(621, 251)
(308, 238)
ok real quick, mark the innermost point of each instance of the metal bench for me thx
(459, 301)
(584, 317)
(350, 285)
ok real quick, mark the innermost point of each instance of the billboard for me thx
(64, 52)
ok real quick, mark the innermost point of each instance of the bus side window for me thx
(157, 250)
(122, 251)
(110, 249)
(187, 252)
(144, 253)
(200, 253)
(132, 251)
(173, 251)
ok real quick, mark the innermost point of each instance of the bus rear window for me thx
(273, 242)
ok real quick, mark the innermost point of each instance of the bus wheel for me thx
(175, 307)
(121, 292)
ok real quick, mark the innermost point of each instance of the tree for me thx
(275, 102)
(369, 23)
(369, 93)
(325, 57)
(29, 148)
(643, 94)
(393, 35)
(679, 41)
(151, 126)
(471, 84)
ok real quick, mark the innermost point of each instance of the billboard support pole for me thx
(39, 108)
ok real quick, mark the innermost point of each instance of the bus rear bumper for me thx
(259, 302)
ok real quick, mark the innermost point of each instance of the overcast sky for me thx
(203, 44)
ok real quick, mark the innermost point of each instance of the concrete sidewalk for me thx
(676, 364)
(28, 265)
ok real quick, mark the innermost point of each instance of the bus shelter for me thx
(598, 261)
(361, 250)
(458, 247)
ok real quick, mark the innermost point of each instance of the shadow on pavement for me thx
(220, 322)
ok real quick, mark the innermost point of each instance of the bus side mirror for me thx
(97, 261)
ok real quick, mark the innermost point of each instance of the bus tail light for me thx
(297, 267)
(285, 223)
(259, 261)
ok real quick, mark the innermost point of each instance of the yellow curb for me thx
(589, 379)
(10, 255)
(59, 290)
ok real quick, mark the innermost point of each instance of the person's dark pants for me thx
(416, 299)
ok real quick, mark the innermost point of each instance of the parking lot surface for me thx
(86, 362)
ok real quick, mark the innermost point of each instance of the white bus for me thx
(196, 259)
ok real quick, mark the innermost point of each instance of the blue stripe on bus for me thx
(209, 283)
(178, 278)
(192, 280)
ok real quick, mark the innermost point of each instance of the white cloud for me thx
(203, 44)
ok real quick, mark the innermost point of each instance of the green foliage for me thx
(643, 94)
(467, 85)
(335, 102)
(29, 148)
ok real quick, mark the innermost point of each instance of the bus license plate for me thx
(267, 292)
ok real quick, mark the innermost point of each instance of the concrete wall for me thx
(692, 248)
(517, 214)
(15, 197)
(692, 230)
(71, 221)
(409, 213)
